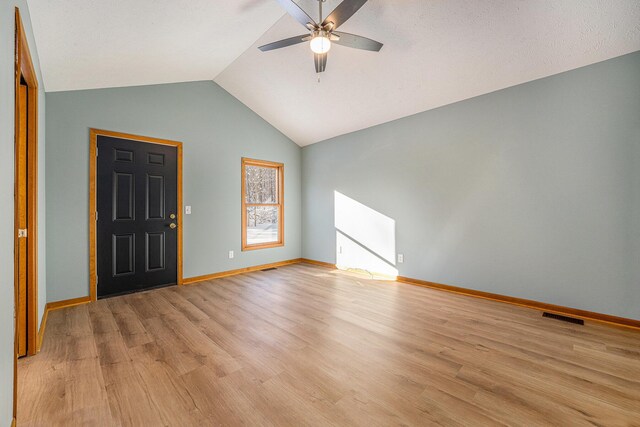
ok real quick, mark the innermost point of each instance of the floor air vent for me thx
(269, 269)
(563, 318)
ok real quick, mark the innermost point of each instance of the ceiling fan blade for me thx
(294, 10)
(320, 60)
(357, 42)
(342, 12)
(283, 43)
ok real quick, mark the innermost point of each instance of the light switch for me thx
(230, 254)
(187, 210)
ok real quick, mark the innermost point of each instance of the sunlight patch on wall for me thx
(365, 238)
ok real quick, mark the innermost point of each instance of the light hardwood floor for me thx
(305, 345)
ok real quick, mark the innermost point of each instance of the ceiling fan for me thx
(322, 35)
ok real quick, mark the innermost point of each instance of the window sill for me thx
(262, 246)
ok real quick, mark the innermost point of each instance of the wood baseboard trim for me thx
(364, 273)
(56, 305)
(536, 305)
(43, 325)
(320, 263)
(198, 279)
(13, 422)
(522, 302)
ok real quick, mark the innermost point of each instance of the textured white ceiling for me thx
(86, 44)
(436, 52)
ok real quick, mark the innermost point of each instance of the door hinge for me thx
(22, 232)
(96, 215)
(97, 151)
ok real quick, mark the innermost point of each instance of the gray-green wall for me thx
(216, 131)
(7, 156)
(532, 191)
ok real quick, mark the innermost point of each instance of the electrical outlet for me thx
(400, 258)
(187, 210)
(230, 254)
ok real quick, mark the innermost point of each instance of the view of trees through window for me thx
(261, 184)
(262, 204)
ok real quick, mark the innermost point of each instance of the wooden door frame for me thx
(24, 70)
(93, 167)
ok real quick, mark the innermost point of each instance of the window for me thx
(262, 204)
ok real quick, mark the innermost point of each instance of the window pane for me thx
(262, 224)
(261, 184)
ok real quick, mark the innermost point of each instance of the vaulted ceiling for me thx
(435, 52)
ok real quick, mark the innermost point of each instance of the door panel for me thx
(136, 196)
(123, 155)
(123, 196)
(155, 197)
(155, 251)
(124, 257)
(155, 159)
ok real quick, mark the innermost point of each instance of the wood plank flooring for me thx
(304, 345)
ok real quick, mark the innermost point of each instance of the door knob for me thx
(172, 216)
(172, 225)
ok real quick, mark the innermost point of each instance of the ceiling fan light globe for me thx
(320, 44)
